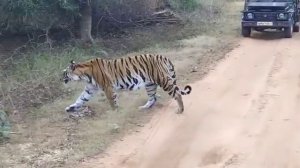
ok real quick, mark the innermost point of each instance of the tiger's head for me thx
(77, 72)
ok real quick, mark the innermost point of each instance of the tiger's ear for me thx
(73, 65)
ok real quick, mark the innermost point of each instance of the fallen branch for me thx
(164, 16)
(14, 133)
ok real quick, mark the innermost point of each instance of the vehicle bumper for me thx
(275, 24)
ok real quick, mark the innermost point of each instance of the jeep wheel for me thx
(296, 28)
(288, 32)
(246, 31)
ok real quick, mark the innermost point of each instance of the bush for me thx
(35, 79)
(29, 16)
(185, 5)
(38, 17)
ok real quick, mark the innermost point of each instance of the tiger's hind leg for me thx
(173, 90)
(151, 92)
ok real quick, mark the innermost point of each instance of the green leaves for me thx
(21, 16)
(37, 17)
(186, 5)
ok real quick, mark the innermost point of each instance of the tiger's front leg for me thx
(112, 97)
(85, 96)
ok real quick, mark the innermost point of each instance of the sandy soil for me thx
(245, 113)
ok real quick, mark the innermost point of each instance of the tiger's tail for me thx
(187, 90)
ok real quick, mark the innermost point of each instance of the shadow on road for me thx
(267, 35)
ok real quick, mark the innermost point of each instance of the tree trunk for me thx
(86, 22)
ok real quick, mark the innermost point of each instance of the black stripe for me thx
(127, 85)
(135, 69)
(124, 81)
(128, 78)
(122, 61)
(165, 84)
(84, 99)
(150, 71)
(100, 70)
(128, 72)
(135, 80)
(152, 90)
(129, 59)
(149, 85)
(142, 76)
(115, 63)
(143, 64)
(90, 78)
(131, 87)
(175, 90)
(161, 58)
(88, 92)
(121, 73)
(116, 76)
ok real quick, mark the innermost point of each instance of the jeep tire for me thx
(288, 31)
(296, 28)
(246, 31)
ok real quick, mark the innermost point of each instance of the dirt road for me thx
(245, 113)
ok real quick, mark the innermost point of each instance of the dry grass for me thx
(48, 139)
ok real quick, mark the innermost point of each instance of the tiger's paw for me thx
(144, 107)
(116, 110)
(179, 111)
(71, 109)
(148, 105)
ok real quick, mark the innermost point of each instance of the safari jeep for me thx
(259, 15)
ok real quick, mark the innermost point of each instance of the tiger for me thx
(146, 71)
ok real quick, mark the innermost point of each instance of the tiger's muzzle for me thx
(65, 78)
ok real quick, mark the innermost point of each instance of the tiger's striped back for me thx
(133, 72)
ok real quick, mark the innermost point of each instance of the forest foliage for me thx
(43, 17)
